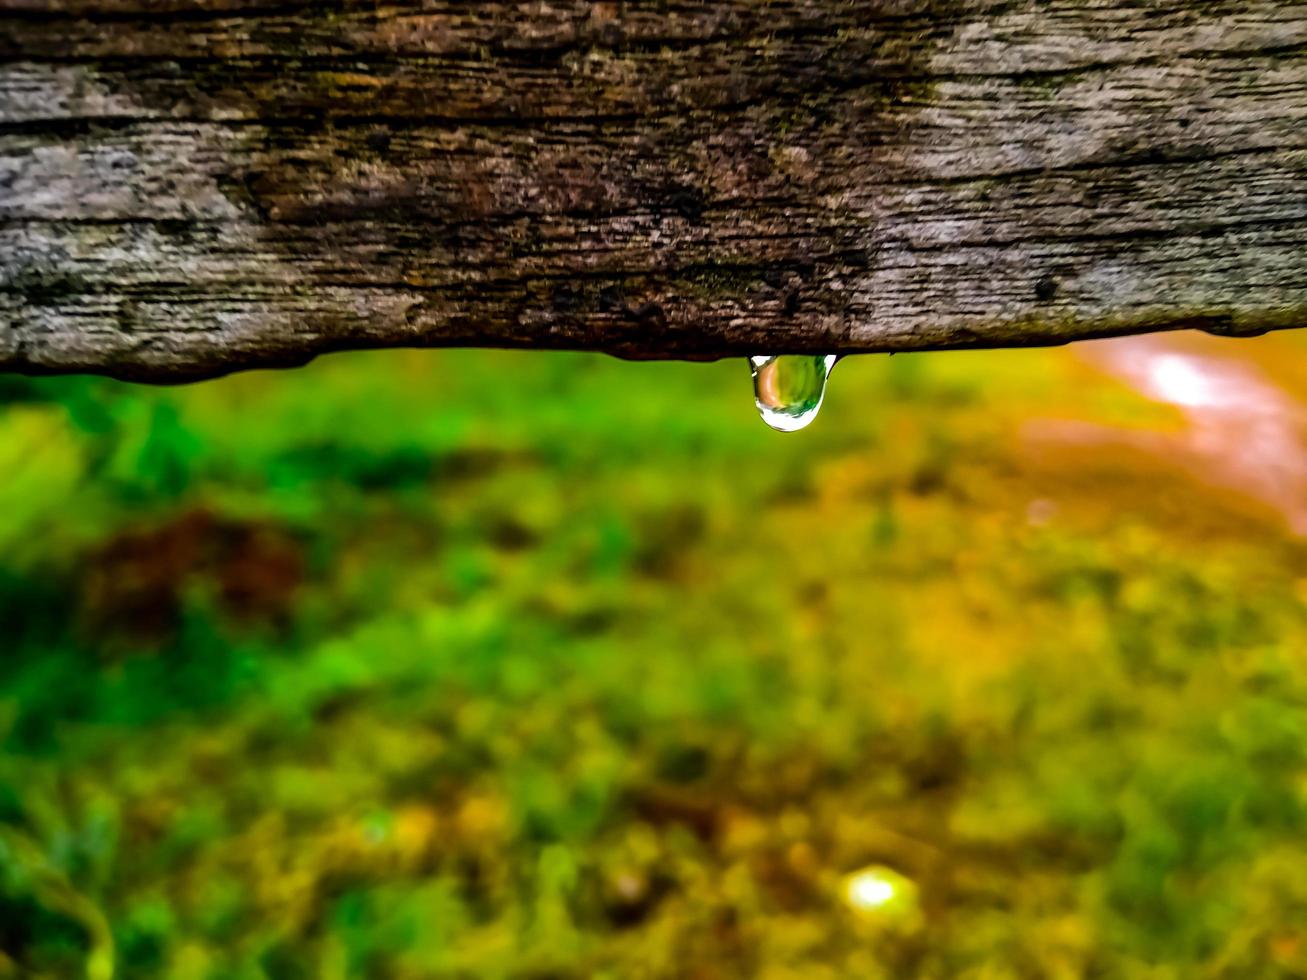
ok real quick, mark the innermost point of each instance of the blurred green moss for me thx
(490, 664)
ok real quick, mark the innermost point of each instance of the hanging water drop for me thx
(788, 388)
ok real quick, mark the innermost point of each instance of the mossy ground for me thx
(489, 664)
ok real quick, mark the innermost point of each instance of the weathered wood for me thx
(193, 186)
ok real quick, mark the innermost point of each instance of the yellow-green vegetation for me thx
(509, 665)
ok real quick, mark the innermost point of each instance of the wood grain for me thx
(189, 188)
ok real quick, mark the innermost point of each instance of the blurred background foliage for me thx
(493, 664)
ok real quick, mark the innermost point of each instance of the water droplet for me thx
(788, 388)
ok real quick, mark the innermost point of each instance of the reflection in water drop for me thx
(788, 388)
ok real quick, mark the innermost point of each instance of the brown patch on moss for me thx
(136, 584)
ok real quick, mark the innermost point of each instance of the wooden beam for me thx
(189, 187)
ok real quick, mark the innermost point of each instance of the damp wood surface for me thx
(189, 187)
